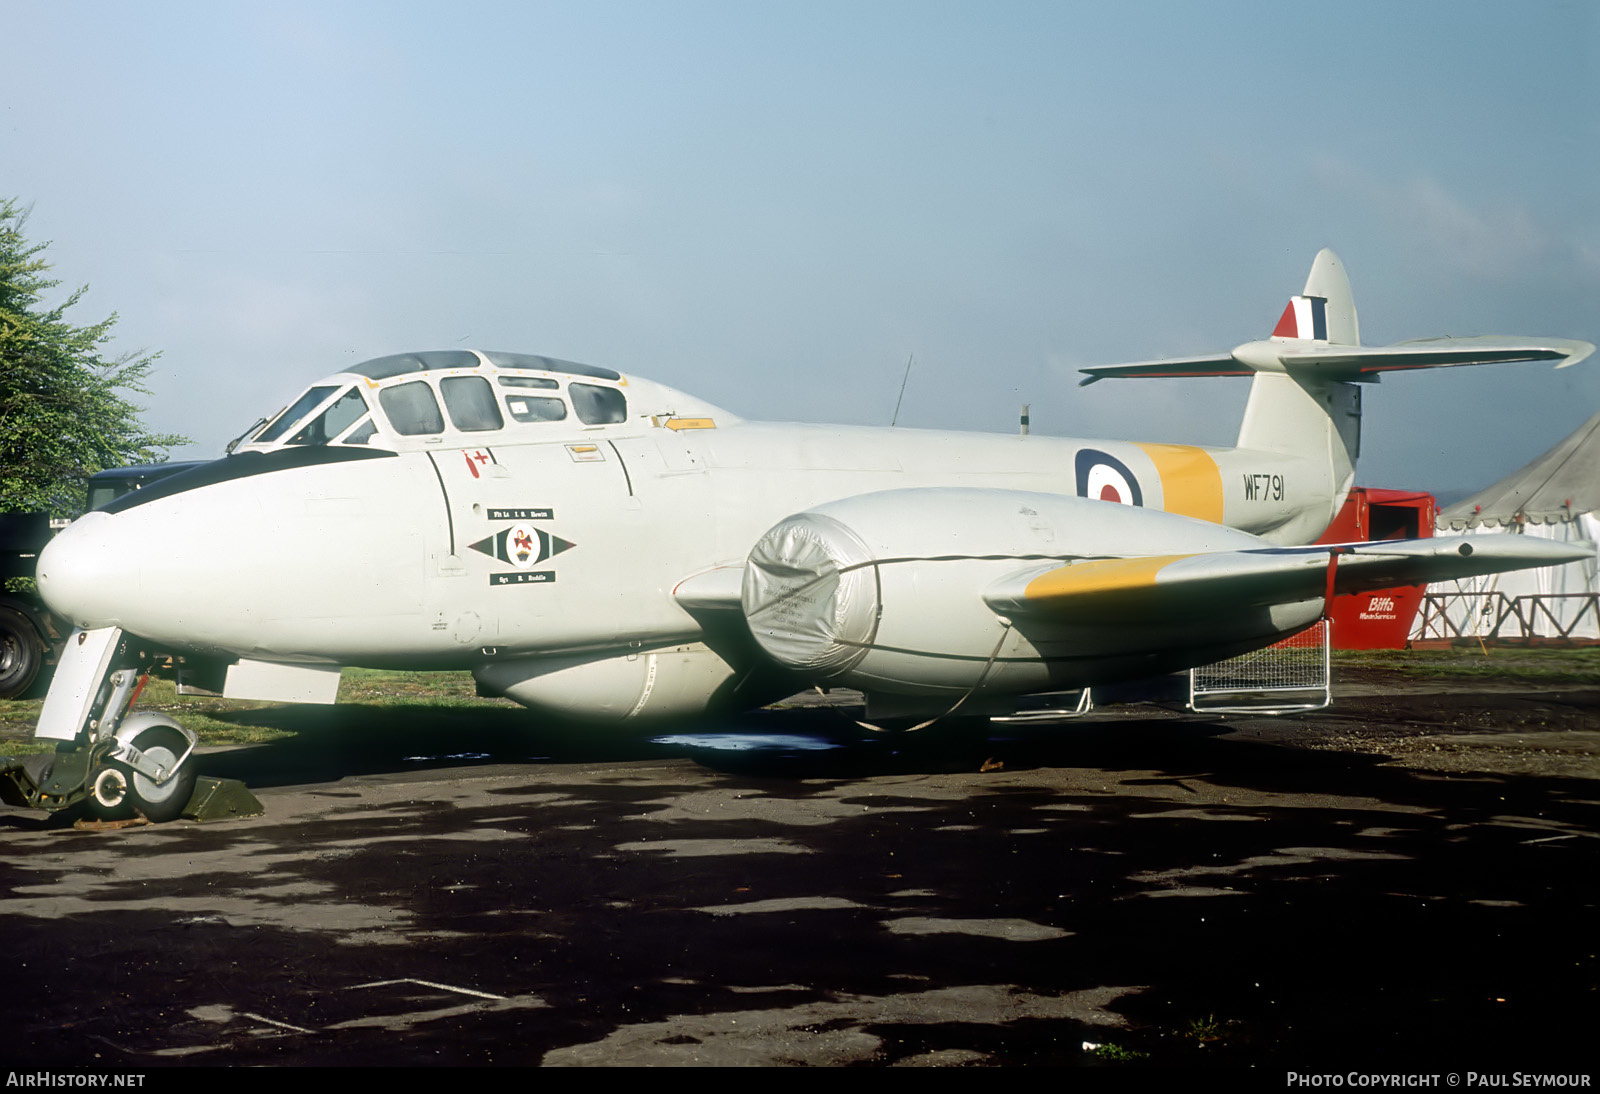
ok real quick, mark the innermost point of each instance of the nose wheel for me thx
(108, 795)
(156, 784)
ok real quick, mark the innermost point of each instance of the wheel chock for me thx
(44, 780)
(221, 799)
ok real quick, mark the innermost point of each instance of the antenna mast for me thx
(902, 397)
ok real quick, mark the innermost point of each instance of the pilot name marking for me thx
(1263, 487)
(522, 514)
(534, 577)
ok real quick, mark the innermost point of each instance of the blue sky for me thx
(773, 205)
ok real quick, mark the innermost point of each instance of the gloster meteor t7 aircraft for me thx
(598, 546)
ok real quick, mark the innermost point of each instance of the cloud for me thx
(1494, 240)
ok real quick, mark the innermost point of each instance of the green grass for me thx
(367, 692)
(1545, 664)
(221, 721)
(1116, 1054)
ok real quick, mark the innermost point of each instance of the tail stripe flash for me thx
(1305, 317)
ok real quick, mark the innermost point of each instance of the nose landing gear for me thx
(120, 765)
(150, 773)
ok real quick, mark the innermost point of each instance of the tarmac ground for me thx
(1408, 880)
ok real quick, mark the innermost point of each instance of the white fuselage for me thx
(372, 561)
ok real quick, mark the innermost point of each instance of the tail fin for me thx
(1292, 411)
(1325, 312)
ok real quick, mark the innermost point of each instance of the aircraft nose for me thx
(82, 574)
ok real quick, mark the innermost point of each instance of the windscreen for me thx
(301, 406)
(344, 412)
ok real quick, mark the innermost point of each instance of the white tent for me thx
(1555, 497)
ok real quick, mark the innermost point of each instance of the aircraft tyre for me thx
(21, 653)
(117, 791)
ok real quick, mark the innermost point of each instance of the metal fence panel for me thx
(1288, 676)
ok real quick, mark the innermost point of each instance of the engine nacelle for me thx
(884, 592)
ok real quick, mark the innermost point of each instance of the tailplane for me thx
(1305, 402)
(1305, 368)
(1318, 337)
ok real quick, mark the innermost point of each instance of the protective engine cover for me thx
(811, 593)
(884, 591)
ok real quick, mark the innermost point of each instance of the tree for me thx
(63, 414)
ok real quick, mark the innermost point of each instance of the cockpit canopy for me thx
(418, 400)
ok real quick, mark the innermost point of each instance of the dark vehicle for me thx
(108, 485)
(28, 632)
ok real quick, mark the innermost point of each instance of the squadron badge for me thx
(522, 545)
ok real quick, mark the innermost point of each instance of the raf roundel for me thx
(1103, 477)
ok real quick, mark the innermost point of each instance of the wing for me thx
(1180, 586)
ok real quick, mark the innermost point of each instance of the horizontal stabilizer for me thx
(1135, 590)
(1330, 361)
(1175, 368)
(1318, 338)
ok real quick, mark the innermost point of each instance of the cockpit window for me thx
(548, 364)
(543, 382)
(381, 368)
(536, 408)
(470, 401)
(598, 405)
(280, 425)
(345, 411)
(412, 409)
